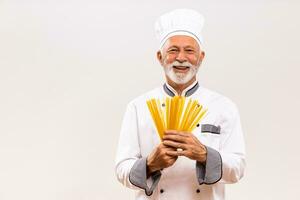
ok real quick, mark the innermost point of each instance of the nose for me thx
(181, 57)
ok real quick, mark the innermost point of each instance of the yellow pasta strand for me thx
(190, 114)
(197, 120)
(185, 115)
(195, 114)
(176, 100)
(180, 111)
(172, 112)
(159, 118)
(167, 113)
(161, 114)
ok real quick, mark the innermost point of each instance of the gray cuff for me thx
(211, 171)
(138, 176)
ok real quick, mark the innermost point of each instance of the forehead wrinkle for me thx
(181, 42)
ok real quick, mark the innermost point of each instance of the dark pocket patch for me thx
(210, 128)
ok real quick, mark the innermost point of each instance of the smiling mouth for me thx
(181, 68)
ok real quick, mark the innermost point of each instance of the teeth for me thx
(180, 67)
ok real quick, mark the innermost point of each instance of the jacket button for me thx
(198, 190)
(161, 191)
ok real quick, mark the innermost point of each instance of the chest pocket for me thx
(210, 135)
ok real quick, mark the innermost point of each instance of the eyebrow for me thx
(174, 46)
(190, 47)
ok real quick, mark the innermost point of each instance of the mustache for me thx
(183, 64)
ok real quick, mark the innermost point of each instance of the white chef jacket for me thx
(186, 179)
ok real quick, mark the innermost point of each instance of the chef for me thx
(181, 166)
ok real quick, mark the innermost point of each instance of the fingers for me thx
(162, 149)
(189, 144)
(172, 153)
(176, 138)
(178, 153)
(158, 159)
(174, 132)
(175, 145)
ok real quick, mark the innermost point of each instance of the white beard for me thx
(178, 77)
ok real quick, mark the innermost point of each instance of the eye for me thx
(172, 50)
(190, 50)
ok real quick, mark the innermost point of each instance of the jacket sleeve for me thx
(130, 166)
(232, 148)
(209, 172)
(227, 164)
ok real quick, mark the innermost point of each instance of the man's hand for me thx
(186, 143)
(160, 158)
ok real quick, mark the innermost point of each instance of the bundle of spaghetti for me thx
(175, 114)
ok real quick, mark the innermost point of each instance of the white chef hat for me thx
(179, 22)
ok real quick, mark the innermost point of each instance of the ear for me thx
(159, 57)
(202, 55)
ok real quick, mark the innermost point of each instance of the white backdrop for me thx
(68, 68)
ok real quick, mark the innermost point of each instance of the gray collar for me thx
(188, 93)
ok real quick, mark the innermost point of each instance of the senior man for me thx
(209, 157)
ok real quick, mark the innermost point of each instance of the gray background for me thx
(68, 69)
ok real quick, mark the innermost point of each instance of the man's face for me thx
(181, 57)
